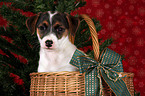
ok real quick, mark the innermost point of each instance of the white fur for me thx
(51, 15)
(52, 37)
(57, 57)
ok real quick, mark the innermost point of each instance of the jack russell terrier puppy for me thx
(53, 30)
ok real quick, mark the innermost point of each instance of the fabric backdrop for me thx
(123, 20)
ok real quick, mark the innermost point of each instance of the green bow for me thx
(108, 67)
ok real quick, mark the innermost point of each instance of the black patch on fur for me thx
(63, 20)
(58, 30)
(43, 17)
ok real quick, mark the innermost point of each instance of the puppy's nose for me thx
(49, 43)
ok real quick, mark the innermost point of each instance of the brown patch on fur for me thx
(44, 22)
(38, 33)
(66, 32)
(74, 23)
(41, 24)
(58, 23)
(31, 23)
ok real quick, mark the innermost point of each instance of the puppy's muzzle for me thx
(48, 43)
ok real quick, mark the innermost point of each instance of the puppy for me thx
(53, 31)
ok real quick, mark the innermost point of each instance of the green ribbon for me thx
(109, 67)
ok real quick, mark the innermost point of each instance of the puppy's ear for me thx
(74, 23)
(31, 23)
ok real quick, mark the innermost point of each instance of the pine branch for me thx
(7, 0)
(8, 32)
(97, 24)
(16, 19)
(24, 4)
(26, 45)
(69, 5)
(14, 65)
(82, 34)
(43, 5)
(105, 44)
(82, 37)
(20, 42)
(8, 87)
(6, 44)
(19, 36)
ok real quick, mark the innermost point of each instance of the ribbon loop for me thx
(108, 68)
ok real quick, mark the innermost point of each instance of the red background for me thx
(124, 20)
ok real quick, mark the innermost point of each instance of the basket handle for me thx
(93, 35)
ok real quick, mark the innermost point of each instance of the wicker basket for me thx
(72, 83)
(128, 80)
(57, 84)
(68, 84)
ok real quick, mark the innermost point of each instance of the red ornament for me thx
(17, 79)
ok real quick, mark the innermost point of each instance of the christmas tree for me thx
(20, 50)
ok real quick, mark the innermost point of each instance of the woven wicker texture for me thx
(57, 84)
(68, 84)
(72, 83)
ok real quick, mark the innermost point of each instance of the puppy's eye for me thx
(43, 27)
(60, 29)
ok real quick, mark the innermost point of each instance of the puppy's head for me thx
(52, 28)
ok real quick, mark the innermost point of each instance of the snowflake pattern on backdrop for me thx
(124, 20)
